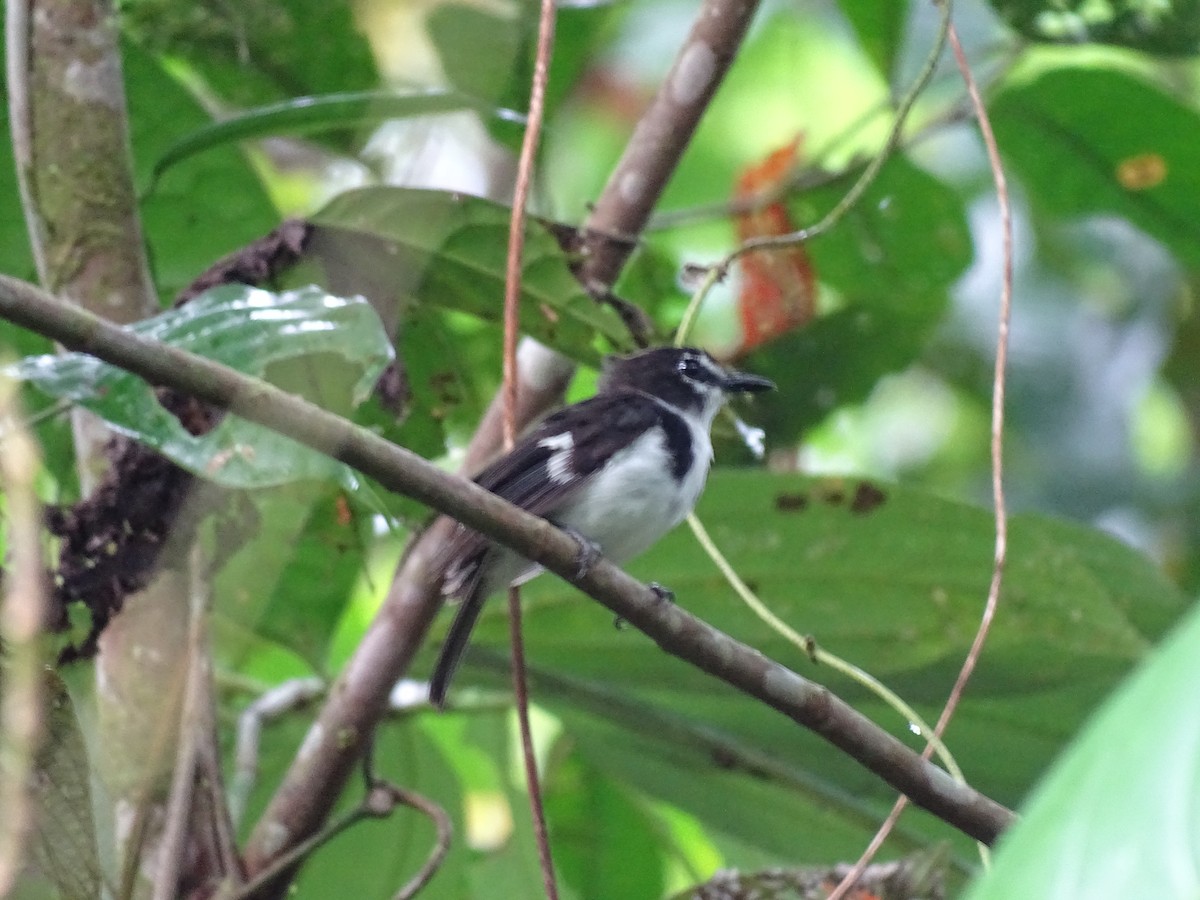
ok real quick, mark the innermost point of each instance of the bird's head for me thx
(687, 378)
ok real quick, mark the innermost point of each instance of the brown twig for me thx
(512, 295)
(441, 844)
(511, 304)
(397, 469)
(997, 455)
(998, 385)
(378, 802)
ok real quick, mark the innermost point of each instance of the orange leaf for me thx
(778, 286)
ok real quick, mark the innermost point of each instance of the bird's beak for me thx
(745, 383)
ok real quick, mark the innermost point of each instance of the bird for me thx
(616, 471)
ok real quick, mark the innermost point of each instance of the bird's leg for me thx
(589, 552)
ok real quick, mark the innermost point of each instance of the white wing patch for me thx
(558, 466)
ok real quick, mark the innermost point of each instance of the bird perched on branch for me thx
(616, 471)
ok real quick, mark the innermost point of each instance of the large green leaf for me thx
(204, 208)
(400, 246)
(1166, 29)
(257, 51)
(481, 48)
(1119, 814)
(890, 578)
(605, 845)
(294, 564)
(484, 754)
(63, 842)
(879, 25)
(1077, 144)
(326, 348)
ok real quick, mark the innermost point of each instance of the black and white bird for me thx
(618, 471)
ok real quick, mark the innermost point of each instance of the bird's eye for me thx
(689, 366)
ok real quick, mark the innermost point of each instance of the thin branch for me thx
(512, 295)
(998, 385)
(533, 782)
(397, 469)
(378, 802)
(811, 176)
(441, 844)
(869, 175)
(269, 704)
(261, 883)
(516, 228)
(997, 454)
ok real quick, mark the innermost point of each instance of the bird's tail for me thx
(454, 647)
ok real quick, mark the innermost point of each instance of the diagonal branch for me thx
(397, 469)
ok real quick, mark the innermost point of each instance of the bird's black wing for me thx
(598, 427)
(531, 477)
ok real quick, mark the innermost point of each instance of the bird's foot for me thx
(589, 552)
(664, 594)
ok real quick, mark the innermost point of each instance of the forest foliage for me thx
(385, 128)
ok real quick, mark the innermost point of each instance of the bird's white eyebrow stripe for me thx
(558, 466)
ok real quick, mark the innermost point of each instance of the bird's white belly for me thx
(635, 500)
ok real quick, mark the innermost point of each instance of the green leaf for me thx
(1118, 815)
(300, 115)
(261, 50)
(483, 751)
(205, 207)
(1165, 29)
(890, 578)
(1075, 157)
(331, 348)
(402, 246)
(891, 262)
(63, 844)
(879, 25)
(451, 372)
(480, 47)
(293, 569)
(604, 844)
